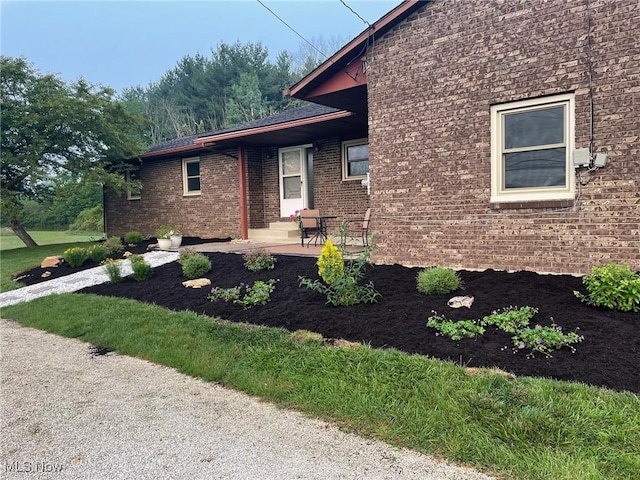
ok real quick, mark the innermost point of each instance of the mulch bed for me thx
(609, 356)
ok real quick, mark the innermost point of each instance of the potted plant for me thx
(163, 233)
(176, 238)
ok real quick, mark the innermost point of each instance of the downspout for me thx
(242, 182)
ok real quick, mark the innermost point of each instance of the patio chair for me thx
(357, 227)
(310, 223)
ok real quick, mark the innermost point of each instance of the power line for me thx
(355, 13)
(293, 30)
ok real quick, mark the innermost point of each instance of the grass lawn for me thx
(9, 241)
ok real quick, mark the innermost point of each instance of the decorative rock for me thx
(197, 283)
(127, 254)
(457, 302)
(51, 262)
(46, 274)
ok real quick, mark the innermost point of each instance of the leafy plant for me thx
(114, 245)
(258, 261)
(438, 281)
(455, 330)
(545, 339)
(141, 268)
(98, 252)
(341, 281)
(510, 319)
(612, 286)
(75, 256)
(112, 267)
(246, 295)
(133, 238)
(195, 265)
(166, 231)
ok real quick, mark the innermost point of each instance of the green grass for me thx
(20, 259)
(525, 428)
(9, 241)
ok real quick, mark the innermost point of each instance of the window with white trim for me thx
(355, 159)
(132, 178)
(532, 144)
(191, 176)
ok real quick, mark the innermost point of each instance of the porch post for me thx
(242, 181)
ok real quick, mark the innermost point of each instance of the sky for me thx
(124, 44)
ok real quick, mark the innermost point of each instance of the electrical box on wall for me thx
(600, 160)
(581, 157)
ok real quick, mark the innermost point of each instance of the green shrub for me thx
(75, 256)
(89, 220)
(185, 253)
(141, 269)
(196, 265)
(114, 245)
(612, 286)
(257, 294)
(112, 267)
(98, 252)
(438, 281)
(133, 238)
(258, 261)
(455, 330)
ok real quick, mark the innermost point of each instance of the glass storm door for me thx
(292, 180)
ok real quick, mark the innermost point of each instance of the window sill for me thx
(134, 198)
(192, 194)
(532, 204)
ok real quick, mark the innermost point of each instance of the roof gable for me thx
(340, 81)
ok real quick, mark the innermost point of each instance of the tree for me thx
(49, 127)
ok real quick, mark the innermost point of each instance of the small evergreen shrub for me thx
(195, 265)
(141, 268)
(98, 252)
(75, 256)
(259, 261)
(133, 238)
(612, 286)
(438, 281)
(114, 244)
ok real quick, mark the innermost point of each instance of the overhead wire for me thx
(325, 56)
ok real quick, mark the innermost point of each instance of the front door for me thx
(293, 179)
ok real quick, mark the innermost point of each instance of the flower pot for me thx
(164, 243)
(176, 241)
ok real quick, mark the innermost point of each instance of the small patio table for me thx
(321, 232)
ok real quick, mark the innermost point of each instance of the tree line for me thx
(61, 142)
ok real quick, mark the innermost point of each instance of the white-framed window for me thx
(132, 175)
(191, 175)
(532, 145)
(355, 159)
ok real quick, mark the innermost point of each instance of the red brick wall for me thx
(332, 195)
(431, 83)
(214, 213)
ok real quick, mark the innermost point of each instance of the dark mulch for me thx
(609, 355)
(34, 275)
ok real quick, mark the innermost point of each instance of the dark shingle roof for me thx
(307, 111)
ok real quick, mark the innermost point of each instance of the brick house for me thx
(502, 134)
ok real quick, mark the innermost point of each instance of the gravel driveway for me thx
(69, 414)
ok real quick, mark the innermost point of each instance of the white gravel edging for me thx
(79, 280)
(73, 415)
